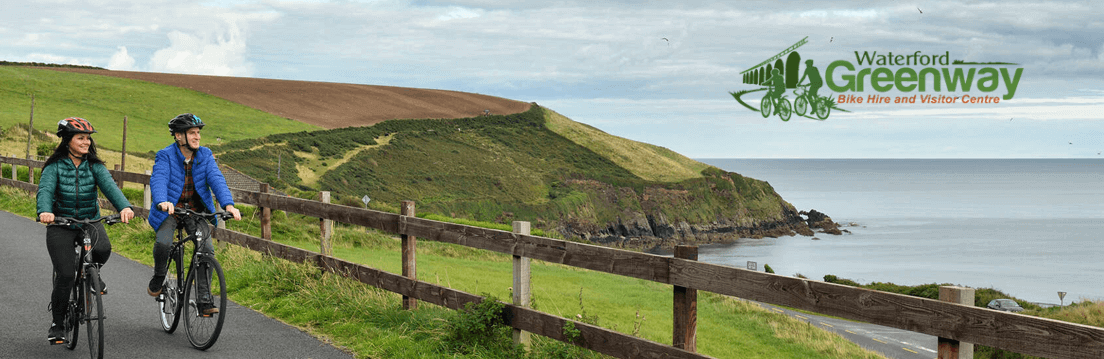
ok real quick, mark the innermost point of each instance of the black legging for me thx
(60, 242)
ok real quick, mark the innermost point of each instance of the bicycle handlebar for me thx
(224, 215)
(65, 221)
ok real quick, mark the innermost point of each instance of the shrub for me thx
(479, 326)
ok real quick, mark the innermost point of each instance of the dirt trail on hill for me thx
(328, 104)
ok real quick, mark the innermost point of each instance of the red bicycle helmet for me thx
(74, 125)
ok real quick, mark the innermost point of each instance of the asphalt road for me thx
(132, 327)
(890, 342)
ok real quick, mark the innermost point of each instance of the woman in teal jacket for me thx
(68, 189)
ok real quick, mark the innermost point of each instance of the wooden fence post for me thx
(521, 289)
(14, 178)
(30, 174)
(122, 159)
(950, 348)
(686, 307)
(266, 217)
(326, 226)
(30, 132)
(118, 177)
(147, 197)
(409, 246)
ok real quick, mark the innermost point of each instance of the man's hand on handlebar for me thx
(46, 217)
(167, 207)
(234, 211)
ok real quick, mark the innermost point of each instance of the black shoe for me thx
(56, 335)
(155, 285)
(207, 309)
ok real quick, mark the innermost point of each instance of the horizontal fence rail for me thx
(1015, 332)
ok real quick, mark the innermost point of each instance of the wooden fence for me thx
(951, 322)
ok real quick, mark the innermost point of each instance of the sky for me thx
(661, 72)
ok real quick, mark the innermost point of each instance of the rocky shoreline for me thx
(647, 232)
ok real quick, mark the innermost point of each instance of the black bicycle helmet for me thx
(74, 125)
(183, 122)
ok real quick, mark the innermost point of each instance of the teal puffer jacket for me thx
(70, 191)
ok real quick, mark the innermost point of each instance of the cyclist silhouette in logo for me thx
(777, 84)
(814, 78)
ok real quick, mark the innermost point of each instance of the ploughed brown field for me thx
(328, 104)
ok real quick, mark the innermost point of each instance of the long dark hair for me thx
(62, 151)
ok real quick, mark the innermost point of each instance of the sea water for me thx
(1028, 227)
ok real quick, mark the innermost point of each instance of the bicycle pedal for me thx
(57, 342)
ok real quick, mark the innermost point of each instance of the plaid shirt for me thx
(188, 197)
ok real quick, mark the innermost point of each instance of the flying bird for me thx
(668, 41)
(833, 38)
(921, 11)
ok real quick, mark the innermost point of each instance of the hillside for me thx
(326, 104)
(148, 107)
(517, 163)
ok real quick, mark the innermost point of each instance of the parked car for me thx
(1007, 305)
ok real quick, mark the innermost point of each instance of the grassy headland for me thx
(536, 166)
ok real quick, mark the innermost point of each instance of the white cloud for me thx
(456, 12)
(121, 61)
(219, 53)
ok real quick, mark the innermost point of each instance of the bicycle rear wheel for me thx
(204, 329)
(93, 312)
(73, 315)
(824, 107)
(784, 109)
(169, 302)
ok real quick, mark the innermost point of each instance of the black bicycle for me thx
(86, 300)
(189, 296)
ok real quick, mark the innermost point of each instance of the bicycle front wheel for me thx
(801, 105)
(205, 285)
(93, 312)
(73, 316)
(765, 106)
(170, 301)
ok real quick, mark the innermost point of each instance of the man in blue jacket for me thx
(184, 175)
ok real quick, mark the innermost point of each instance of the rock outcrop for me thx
(817, 220)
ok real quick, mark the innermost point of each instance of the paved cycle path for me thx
(132, 326)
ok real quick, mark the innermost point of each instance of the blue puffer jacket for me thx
(70, 191)
(167, 181)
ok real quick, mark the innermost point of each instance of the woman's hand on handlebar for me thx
(126, 214)
(46, 217)
(166, 207)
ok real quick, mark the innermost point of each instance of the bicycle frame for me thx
(181, 294)
(86, 281)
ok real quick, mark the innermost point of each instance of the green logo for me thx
(913, 72)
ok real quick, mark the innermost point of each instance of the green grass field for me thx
(104, 101)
